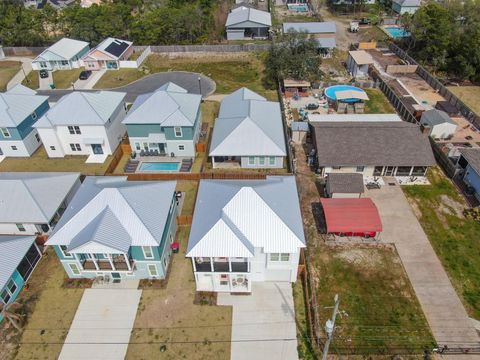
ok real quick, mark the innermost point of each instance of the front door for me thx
(97, 149)
(161, 148)
(389, 170)
(1, 152)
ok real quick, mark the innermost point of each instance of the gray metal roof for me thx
(345, 183)
(90, 108)
(169, 105)
(363, 143)
(300, 126)
(311, 27)
(115, 213)
(17, 104)
(327, 43)
(248, 124)
(435, 117)
(33, 198)
(12, 251)
(246, 14)
(473, 158)
(414, 3)
(230, 201)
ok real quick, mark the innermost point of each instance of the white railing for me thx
(134, 64)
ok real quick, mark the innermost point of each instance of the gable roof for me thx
(112, 47)
(17, 104)
(243, 13)
(91, 108)
(12, 252)
(435, 117)
(169, 105)
(33, 198)
(473, 158)
(65, 49)
(232, 218)
(311, 27)
(114, 213)
(248, 124)
(375, 143)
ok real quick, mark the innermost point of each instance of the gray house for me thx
(248, 132)
(245, 22)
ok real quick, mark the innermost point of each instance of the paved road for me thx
(150, 83)
(443, 309)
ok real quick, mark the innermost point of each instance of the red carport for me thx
(351, 217)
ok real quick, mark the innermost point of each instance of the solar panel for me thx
(116, 48)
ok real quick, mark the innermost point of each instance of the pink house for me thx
(108, 54)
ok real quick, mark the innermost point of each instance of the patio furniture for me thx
(155, 153)
(142, 152)
(151, 152)
(186, 165)
(175, 246)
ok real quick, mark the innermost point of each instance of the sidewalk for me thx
(20, 75)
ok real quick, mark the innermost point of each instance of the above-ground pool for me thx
(159, 166)
(298, 7)
(331, 92)
(396, 32)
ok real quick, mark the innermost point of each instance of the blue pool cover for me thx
(331, 91)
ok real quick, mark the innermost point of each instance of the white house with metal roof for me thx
(84, 123)
(32, 203)
(244, 231)
(65, 54)
(166, 121)
(248, 132)
(119, 228)
(246, 22)
(20, 108)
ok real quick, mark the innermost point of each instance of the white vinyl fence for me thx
(134, 64)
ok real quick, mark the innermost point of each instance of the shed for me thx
(300, 130)
(438, 123)
(293, 85)
(344, 185)
(358, 62)
(351, 217)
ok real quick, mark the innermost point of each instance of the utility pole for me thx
(330, 326)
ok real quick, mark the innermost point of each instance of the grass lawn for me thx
(378, 103)
(305, 349)
(120, 77)
(39, 162)
(379, 312)
(190, 188)
(8, 69)
(470, 95)
(32, 81)
(63, 79)
(454, 238)
(50, 311)
(169, 317)
(373, 33)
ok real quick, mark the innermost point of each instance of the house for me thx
(108, 54)
(406, 6)
(300, 129)
(246, 22)
(323, 32)
(123, 229)
(18, 257)
(371, 148)
(358, 62)
(65, 54)
(344, 185)
(84, 123)
(167, 120)
(469, 161)
(32, 203)
(248, 132)
(20, 108)
(245, 231)
(438, 124)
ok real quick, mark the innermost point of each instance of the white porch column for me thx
(229, 265)
(127, 261)
(248, 264)
(211, 264)
(193, 264)
(94, 261)
(79, 263)
(411, 170)
(109, 256)
(213, 161)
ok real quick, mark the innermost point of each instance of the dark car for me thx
(365, 21)
(43, 74)
(312, 106)
(84, 75)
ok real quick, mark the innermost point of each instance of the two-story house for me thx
(84, 123)
(118, 228)
(20, 108)
(166, 121)
(245, 231)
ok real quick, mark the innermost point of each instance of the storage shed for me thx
(300, 130)
(438, 124)
(358, 62)
(344, 185)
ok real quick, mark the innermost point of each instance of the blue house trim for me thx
(25, 127)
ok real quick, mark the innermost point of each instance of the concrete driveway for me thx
(102, 325)
(263, 324)
(443, 309)
(90, 82)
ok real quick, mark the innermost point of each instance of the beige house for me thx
(108, 54)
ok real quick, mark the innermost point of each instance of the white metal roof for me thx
(64, 48)
(311, 27)
(12, 251)
(17, 104)
(243, 14)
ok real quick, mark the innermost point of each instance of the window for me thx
(74, 269)
(147, 252)
(43, 64)
(20, 227)
(274, 256)
(280, 257)
(52, 148)
(152, 269)
(64, 62)
(14, 147)
(79, 148)
(181, 147)
(271, 160)
(34, 115)
(261, 160)
(64, 251)
(72, 146)
(360, 168)
(251, 160)
(178, 131)
(5, 295)
(12, 286)
(71, 130)
(145, 146)
(5, 133)
(137, 146)
(75, 147)
(37, 137)
(284, 257)
(224, 279)
(336, 167)
(77, 130)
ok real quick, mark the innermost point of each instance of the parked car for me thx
(84, 75)
(312, 106)
(365, 21)
(43, 74)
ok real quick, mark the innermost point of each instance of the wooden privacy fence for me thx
(367, 45)
(117, 156)
(447, 165)
(197, 176)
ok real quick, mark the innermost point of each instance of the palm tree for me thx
(8, 312)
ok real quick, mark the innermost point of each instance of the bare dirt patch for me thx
(451, 206)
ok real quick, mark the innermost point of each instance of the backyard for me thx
(470, 95)
(439, 209)
(378, 103)
(8, 69)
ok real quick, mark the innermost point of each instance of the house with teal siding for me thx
(65, 54)
(167, 122)
(20, 108)
(118, 229)
(18, 257)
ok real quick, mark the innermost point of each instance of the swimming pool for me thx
(396, 32)
(298, 7)
(159, 166)
(331, 91)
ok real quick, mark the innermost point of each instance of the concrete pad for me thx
(102, 325)
(263, 324)
(96, 159)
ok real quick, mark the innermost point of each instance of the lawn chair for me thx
(151, 152)
(142, 152)
(156, 153)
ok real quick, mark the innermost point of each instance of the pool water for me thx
(331, 91)
(298, 7)
(397, 32)
(159, 166)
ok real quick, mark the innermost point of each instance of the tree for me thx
(8, 312)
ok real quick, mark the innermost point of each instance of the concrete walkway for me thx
(102, 325)
(443, 309)
(20, 75)
(263, 323)
(91, 81)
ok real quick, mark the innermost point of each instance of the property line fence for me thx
(290, 162)
(23, 50)
(134, 64)
(447, 165)
(210, 48)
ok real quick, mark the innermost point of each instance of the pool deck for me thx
(163, 159)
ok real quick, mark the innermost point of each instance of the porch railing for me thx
(105, 265)
(221, 267)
